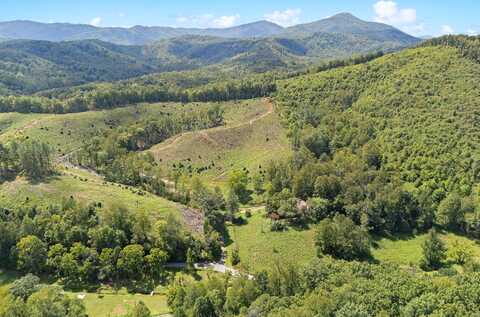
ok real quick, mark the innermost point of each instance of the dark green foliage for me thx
(450, 213)
(139, 310)
(36, 159)
(342, 239)
(235, 257)
(31, 254)
(434, 251)
(386, 141)
(82, 247)
(328, 287)
(25, 286)
(238, 185)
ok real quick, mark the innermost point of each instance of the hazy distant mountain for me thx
(344, 23)
(137, 35)
(347, 24)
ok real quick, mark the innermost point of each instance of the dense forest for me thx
(387, 142)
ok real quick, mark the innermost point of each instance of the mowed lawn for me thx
(106, 303)
(110, 304)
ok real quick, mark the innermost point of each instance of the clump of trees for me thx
(47, 301)
(342, 239)
(31, 158)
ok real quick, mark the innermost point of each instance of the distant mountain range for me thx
(343, 23)
(39, 58)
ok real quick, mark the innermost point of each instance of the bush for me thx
(277, 225)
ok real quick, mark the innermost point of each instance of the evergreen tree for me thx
(434, 251)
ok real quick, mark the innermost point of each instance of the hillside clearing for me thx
(248, 141)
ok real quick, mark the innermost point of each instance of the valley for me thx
(328, 168)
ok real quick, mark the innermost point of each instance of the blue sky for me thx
(426, 17)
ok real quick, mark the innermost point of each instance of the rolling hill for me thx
(29, 66)
(417, 108)
(137, 35)
(64, 55)
(342, 23)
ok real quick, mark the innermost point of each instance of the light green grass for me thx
(260, 248)
(111, 304)
(408, 251)
(85, 188)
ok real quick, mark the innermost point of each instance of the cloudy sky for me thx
(426, 17)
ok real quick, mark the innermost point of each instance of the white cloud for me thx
(226, 21)
(121, 14)
(472, 32)
(389, 12)
(288, 17)
(208, 21)
(96, 21)
(447, 29)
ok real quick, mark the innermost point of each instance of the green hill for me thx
(29, 66)
(390, 142)
(418, 106)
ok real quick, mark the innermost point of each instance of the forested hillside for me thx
(80, 54)
(373, 136)
(30, 66)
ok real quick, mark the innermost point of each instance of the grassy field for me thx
(259, 247)
(84, 187)
(67, 132)
(252, 137)
(108, 303)
(105, 303)
(408, 250)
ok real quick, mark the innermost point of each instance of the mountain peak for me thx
(344, 15)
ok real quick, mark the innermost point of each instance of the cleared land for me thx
(251, 138)
(260, 248)
(84, 187)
